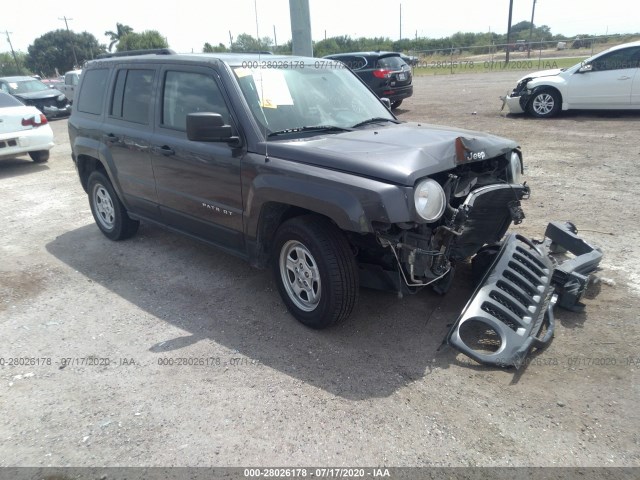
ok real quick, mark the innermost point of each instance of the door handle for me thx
(110, 138)
(624, 77)
(163, 150)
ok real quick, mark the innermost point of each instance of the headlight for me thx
(515, 168)
(61, 97)
(429, 200)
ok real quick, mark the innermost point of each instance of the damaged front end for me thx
(521, 281)
(518, 98)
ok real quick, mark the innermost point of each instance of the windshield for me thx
(27, 86)
(326, 95)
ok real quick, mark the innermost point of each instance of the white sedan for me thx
(607, 81)
(23, 130)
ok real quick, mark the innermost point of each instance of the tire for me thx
(39, 156)
(545, 104)
(107, 209)
(396, 104)
(311, 249)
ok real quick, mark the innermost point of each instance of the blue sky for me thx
(188, 24)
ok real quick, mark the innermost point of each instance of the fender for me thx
(351, 201)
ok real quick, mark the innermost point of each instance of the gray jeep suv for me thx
(294, 163)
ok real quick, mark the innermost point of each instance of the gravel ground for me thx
(266, 391)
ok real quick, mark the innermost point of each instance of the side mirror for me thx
(587, 67)
(209, 127)
(386, 102)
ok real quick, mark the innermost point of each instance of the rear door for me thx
(127, 135)
(198, 183)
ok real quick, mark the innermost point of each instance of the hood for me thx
(50, 93)
(542, 73)
(399, 154)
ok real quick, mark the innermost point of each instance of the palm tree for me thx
(121, 31)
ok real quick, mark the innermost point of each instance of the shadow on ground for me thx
(387, 343)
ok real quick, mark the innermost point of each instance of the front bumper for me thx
(52, 112)
(514, 104)
(511, 311)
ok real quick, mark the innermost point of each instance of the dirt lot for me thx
(374, 391)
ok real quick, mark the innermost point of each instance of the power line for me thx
(73, 48)
(15, 59)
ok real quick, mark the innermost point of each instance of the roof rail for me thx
(131, 53)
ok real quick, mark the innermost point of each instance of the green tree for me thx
(246, 43)
(8, 64)
(208, 48)
(121, 31)
(141, 41)
(54, 50)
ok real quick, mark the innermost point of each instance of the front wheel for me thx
(107, 209)
(545, 104)
(315, 271)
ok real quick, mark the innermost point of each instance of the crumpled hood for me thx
(39, 95)
(399, 154)
(542, 73)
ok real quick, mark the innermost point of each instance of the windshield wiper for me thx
(315, 128)
(375, 120)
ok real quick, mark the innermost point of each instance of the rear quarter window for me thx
(92, 91)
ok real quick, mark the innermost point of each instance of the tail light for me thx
(34, 121)
(382, 73)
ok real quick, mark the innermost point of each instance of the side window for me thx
(90, 99)
(188, 92)
(619, 60)
(132, 95)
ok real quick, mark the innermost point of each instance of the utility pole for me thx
(400, 22)
(509, 31)
(275, 39)
(230, 41)
(15, 59)
(73, 48)
(533, 11)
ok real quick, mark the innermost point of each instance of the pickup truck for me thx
(71, 79)
(292, 163)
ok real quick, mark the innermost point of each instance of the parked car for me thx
(607, 81)
(30, 91)
(296, 165)
(386, 73)
(23, 130)
(71, 79)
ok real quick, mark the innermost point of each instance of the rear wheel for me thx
(396, 104)
(39, 156)
(107, 209)
(315, 271)
(545, 104)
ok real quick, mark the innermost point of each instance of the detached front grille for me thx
(510, 307)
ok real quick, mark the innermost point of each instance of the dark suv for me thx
(386, 73)
(292, 162)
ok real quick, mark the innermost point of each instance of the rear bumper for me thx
(395, 94)
(40, 138)
(511, 311)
